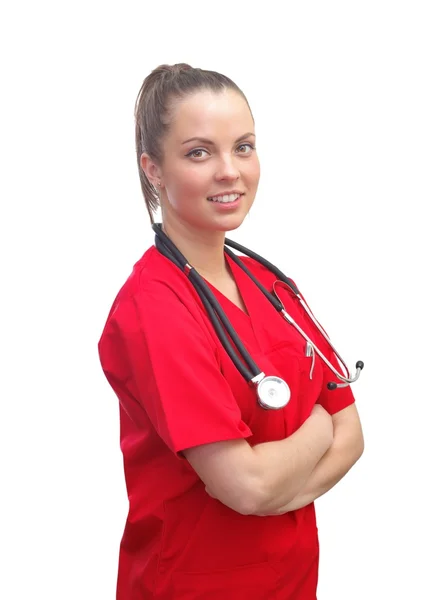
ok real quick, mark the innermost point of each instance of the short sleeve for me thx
(334, 400)
(174, 369)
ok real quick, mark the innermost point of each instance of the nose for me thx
(227, 169)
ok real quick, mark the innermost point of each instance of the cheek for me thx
(196, 176)
(188, 182)
(253, 172)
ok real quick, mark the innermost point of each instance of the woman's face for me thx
(220, 160)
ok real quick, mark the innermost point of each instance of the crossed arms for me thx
(277, 477)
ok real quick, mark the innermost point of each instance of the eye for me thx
(193, 154)
(247, 146)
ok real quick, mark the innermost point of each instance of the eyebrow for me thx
(205, 141)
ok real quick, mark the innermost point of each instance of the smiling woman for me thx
(203, 461)
(208, 181)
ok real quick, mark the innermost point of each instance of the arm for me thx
(263, 478)
(346, 449)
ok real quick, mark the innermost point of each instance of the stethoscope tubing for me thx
(280, 308)
(215, 311)
(213, 308)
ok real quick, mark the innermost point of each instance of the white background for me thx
(348, 100)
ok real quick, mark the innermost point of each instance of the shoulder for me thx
(153, 273)
(157, 297)
(153, 276)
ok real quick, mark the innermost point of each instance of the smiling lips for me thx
(226, 198)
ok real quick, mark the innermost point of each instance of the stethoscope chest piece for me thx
(273, 393)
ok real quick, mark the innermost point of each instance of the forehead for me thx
(206, 113)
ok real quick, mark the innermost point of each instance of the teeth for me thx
(226, 198)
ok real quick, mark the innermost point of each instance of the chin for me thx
(233, 227)
(230, 223)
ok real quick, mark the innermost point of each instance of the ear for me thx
(151, 170)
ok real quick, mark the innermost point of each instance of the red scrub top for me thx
(178, 388)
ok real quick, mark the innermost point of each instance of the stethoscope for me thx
(272, 391)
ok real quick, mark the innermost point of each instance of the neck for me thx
(204, 250)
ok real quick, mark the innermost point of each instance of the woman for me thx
(220, 490)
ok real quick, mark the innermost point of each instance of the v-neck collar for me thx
(258, 305)
(237, 275)
(254, 300)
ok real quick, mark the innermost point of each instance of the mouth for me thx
(225, 198)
